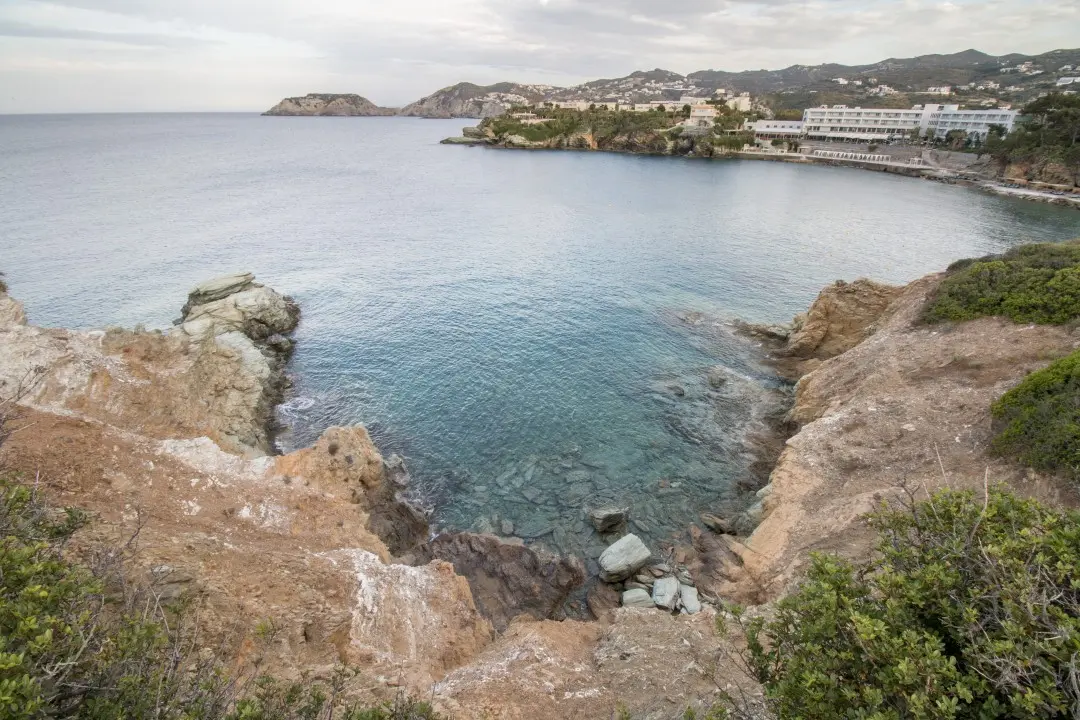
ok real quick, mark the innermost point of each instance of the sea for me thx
(533, 331)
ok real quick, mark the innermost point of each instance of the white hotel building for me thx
(840, 122)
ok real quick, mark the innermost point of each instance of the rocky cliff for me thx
(324, 104)
(885, 405)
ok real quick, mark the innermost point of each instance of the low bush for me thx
(1040, 419)
(970, 610)
(1037, 283)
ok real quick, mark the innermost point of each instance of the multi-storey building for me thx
(841, 122)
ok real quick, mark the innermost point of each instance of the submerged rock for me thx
(623, 558)
(608, 519)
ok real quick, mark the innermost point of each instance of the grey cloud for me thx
(15, 29)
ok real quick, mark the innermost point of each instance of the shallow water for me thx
(511, 322)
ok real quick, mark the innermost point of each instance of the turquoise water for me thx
(513, 323)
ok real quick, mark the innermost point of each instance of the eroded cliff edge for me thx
(884, 404)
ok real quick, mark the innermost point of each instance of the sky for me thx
(245, 55)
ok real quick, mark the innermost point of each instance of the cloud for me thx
(21, 30)
(241, 51)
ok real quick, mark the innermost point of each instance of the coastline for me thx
(996, 187)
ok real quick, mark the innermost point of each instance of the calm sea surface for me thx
(514, 323)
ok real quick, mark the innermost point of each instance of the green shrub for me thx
(970, 610)
(1030, 283)
(1040, 418)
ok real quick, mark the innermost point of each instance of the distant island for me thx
(970, 77)
(329, 105)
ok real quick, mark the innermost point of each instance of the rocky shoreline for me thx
(482, 136)
(170, 433)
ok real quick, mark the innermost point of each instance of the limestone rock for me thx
(637, 598)
(256, 312)
(717, 377)
(688, 598)
(665, 593)
(841, 317)
(508, 579)
(623, 558)
(217, 289)
(608, 519)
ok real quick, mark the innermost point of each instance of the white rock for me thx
(623, 558)
(665, 593)
(689, 598)
(637, 598)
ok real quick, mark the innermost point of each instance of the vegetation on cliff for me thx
(970, 610)
(1040, 418)
(1037, 283)
(655, 131)
(1046, 142)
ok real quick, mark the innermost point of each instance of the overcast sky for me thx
(141, 55)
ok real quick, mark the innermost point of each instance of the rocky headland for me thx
(169, 433)
(329, 105)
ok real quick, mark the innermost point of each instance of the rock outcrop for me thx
(329, 105)
(904, 405)
(218, 375)
(507, 579)
(843, 315)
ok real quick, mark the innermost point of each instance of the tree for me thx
(686, 110)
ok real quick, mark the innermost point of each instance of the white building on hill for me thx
(774, 128)
(840, 122)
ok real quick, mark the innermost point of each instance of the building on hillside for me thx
(581, 105)
(840, 122)
(976, 123)
(942, 90)
(701, 116)
(787, 129)
(840, 81)
(743, 103)
(1067, 81)
(687, 100)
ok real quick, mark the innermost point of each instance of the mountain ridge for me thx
(1012, 78)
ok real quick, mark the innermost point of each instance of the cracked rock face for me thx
(218, 375)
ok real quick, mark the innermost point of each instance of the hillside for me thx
(974, 77)
(329, 104)
(466, 100)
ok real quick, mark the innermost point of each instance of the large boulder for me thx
(237, 304)
(623, 558)
(507, 579)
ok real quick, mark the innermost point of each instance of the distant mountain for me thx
(328, 104)
(466, 100)
(989, 79)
